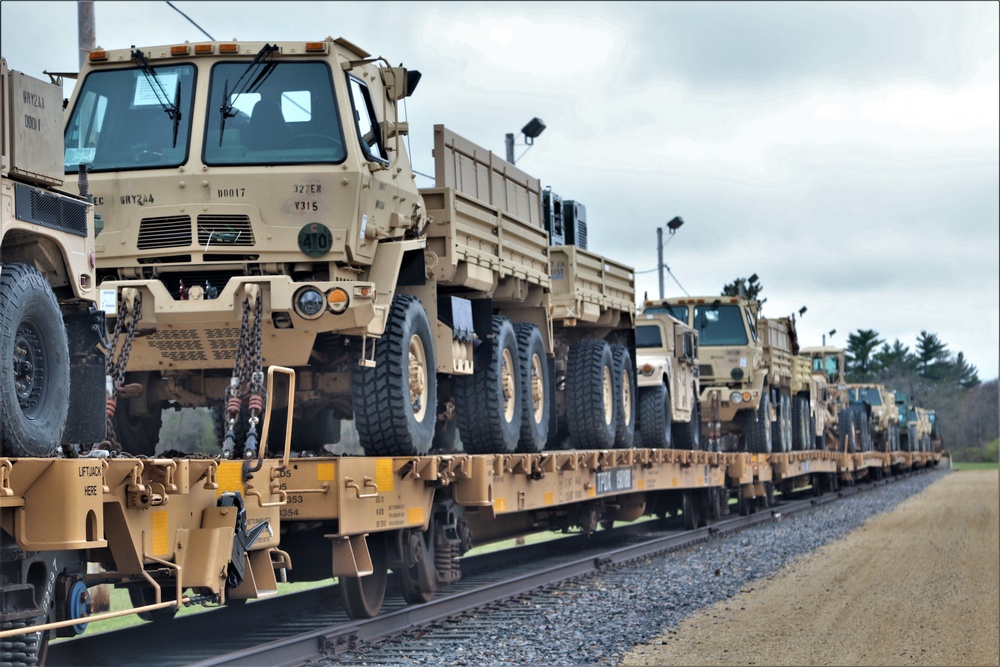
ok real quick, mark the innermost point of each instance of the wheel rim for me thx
(537, 389)
(29, 369)
(418, 377)
(626, 399)
(609, 402)
(508, 384)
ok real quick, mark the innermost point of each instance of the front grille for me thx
(219, 231)
(49, 210)
(172, 231)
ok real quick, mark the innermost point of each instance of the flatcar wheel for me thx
(416, 579)
(691, 509)
(363, 596)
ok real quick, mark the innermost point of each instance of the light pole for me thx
(673, 226)
(531, 130)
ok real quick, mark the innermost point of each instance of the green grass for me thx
(976, 466)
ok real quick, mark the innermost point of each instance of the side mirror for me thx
(399, 83)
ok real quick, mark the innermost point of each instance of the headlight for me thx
(735, 398)
(309, 303)
(338, 300)
(736, 374)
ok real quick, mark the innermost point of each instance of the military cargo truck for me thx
(667, 381)
(261, 209)
(745, 370)
(882, 415)
(51, 365)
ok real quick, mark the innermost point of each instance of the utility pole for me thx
(659, 257)
(85, 28)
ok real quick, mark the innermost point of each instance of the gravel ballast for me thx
(599, 619)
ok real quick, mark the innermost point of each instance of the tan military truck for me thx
(880, 427)
(745, 370)
(922, 429)
(667, 379)
(50, 362)
(261, 209)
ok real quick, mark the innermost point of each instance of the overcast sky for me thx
(847, 153)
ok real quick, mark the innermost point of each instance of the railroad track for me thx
(293, 629)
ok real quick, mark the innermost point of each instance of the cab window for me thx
(367, 122)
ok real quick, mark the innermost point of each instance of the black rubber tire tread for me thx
(138, 436)
(687, 435)
(28, 306)
(655, 418)
(801, 436)
(534, 434)
(781, 428)
(848, 435)
(383, 414)
(625, 419)
(585, 409)
(479, 398)
(758, 429)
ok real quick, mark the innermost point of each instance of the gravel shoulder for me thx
(919, 585)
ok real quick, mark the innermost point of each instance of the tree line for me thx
(935, 379)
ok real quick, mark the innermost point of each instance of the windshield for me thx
(869, 394)
(287, 117)
(139, 109)
(678, 312)
(648, 335)
(720, 325)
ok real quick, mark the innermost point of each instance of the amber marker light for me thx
(98, 55)
(181, 50)
(338, 300)
(204, 49)
(315, 47)
(228, 48)
(647, 369)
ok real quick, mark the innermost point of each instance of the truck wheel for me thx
(34, 360)
(624, 389)
(758, 429)
(781, 429)
(590, 396)
(847, 431)
(687, 435)
(534, 376)
(395, 402)
(488, 402)
(800, 424)
(655, 418)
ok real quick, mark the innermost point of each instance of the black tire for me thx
(536, 408)
(863, 426)
(488, 402)
(781, 429)
(34, 365)
(655, 418)
(687, 435)
(758, 430)
(625, 398)
(801, 420)
(590, 404)
(395, 414)
(847, 431)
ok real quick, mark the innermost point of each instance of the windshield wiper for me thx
(172, 108)
(266, 52)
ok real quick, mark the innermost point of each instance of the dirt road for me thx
(919, 585)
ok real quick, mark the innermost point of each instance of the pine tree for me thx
(860, 347)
